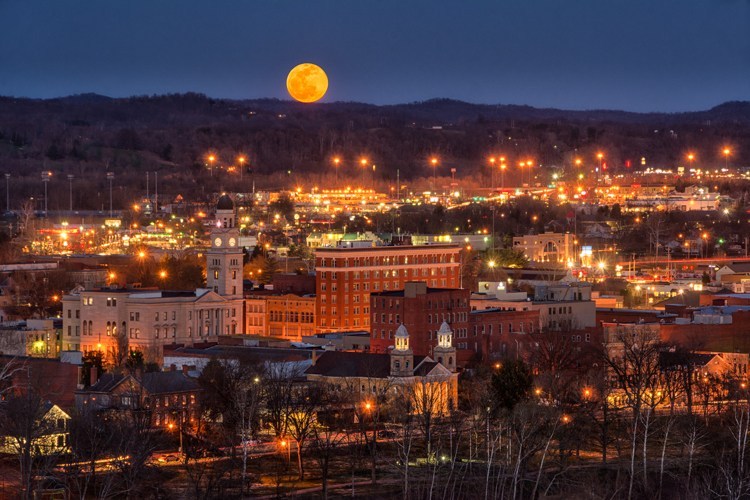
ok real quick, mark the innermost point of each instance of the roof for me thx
(56, 380)
(667, 358)
(400, 293)
(106, 382)
(354, 364)
(153, 382)
(402, 332)
(225, 203)
(168, 382)
(423, 369)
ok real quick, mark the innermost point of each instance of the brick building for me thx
(421, 310)
(490, 333)
(345, 277)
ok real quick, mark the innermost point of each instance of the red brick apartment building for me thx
(345, 277)
(491, 333)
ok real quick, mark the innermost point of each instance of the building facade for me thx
(421, 310)
(546, 247)
(113, 319)
(345, 277)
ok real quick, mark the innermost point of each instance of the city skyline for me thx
(639, 57)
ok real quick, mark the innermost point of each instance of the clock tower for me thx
(224, 259)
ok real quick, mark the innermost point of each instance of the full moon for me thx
(307, 82)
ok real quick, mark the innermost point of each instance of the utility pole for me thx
(156, 192)
(110, 178)
(70, 186)
(7, 194)
(45, 179)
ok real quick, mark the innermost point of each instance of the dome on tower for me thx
(445, 329)
(225, 203)
(401, 332)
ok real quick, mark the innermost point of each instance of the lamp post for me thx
(434, 162)
(600, 157)
(363, 162)
(241, 160)
(336, 162)
(7, 192)
(211, 159)
(726, 153)
(45, 179)
(492, 172)
(690, 158)
(70, 191)
(503, 166)
(110, 178)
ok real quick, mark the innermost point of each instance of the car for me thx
(169, 458)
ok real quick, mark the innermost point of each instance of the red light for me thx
(627, 163)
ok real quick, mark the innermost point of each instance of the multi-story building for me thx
(171, 396)
(346, 277)
(256, 316)
(110, 319)
(546, 247)
(421, 310)
(484, 335)
(562, 306)
(290, 316)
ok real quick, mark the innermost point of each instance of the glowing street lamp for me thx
(492, 160)
(726, 152)
(211, 159)
(363, 162)
(434, 162)
(336, 161)
(241, 160)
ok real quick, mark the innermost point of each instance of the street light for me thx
(336, 161)
(241, 160)
(434, 162)
(211, 159)
(363, 162)
(503, 166)
(492, 171)
(726, 153)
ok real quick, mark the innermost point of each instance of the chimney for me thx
(315, 356)
(93, 375)
(138, 373)
(186, 369)
(173, 367)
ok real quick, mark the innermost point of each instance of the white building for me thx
(112, 319)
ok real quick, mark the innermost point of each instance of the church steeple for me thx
(445, 352)
(402, 357)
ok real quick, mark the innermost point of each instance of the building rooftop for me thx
(355, 364)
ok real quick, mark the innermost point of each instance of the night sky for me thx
(640, 55)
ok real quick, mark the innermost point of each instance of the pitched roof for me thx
(167, 382)
(107, 382)
(424, 368)
(152, 382)
(355, 364)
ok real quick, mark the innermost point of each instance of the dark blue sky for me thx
(641, 55)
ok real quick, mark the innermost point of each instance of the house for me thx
(171, 397)
(415, 378)
(50, 434)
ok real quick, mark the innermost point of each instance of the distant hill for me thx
(90, 133)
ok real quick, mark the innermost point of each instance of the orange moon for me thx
(307, 82)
